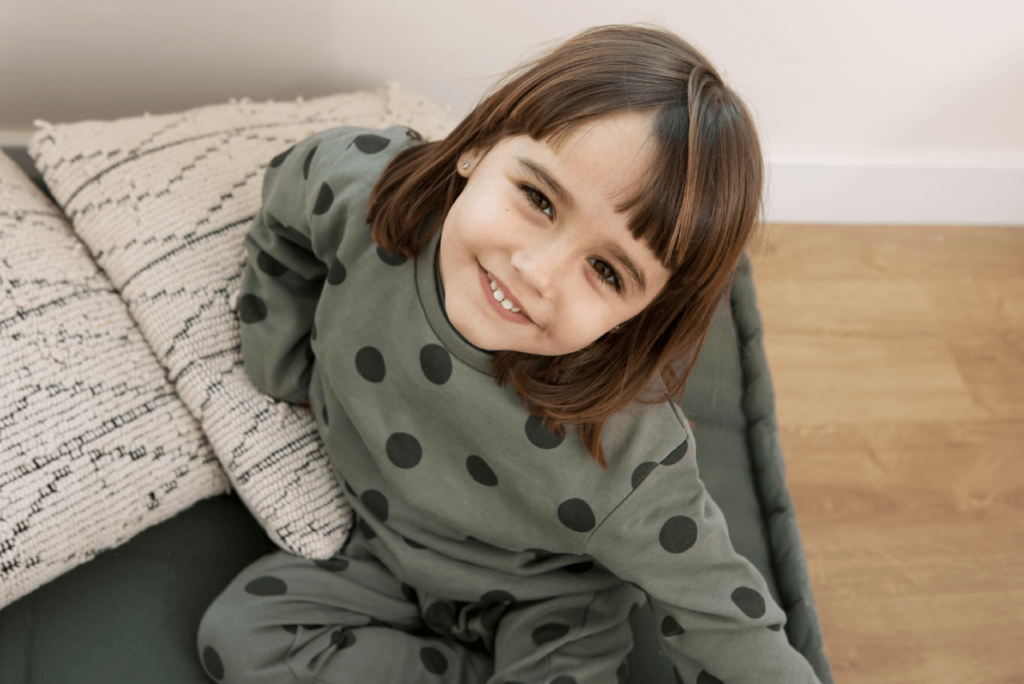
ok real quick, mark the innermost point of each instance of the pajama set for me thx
(486, 549)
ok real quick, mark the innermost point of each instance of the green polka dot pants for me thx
(348, 619)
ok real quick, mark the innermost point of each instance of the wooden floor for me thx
(897, 355)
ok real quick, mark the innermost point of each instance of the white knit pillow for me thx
(95, 445)
(164, 202)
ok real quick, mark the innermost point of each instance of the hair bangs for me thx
(655, 210)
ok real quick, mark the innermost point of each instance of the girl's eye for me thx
(539, 200)
(607, 274)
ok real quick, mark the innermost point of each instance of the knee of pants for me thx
(586, 637)
(235, 648)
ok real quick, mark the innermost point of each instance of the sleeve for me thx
(312, 194)
(714, 615)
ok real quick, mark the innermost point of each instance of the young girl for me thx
(486, 329)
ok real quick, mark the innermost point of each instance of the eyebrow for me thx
(542, 176)
(634, 273)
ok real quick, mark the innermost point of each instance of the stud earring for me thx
(465, 166)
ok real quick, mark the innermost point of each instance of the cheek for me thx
(487, 215)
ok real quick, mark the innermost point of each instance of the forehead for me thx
(606, 159)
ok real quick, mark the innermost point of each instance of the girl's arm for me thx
(309, 202)
(713, 612)
(281, 283)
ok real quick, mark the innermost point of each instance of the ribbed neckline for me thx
(427, 288)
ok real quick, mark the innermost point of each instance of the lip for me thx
(521, 317)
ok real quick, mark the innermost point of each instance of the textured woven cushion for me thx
(94, 443)
(163, 203)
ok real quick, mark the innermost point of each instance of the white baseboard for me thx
(880, 191)
(853, 190)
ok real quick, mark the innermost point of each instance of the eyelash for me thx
(617, 284)
(532, 195)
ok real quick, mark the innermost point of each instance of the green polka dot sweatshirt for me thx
(460, 490)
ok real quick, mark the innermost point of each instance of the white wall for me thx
(871, 110)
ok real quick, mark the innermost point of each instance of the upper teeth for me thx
(500, 296)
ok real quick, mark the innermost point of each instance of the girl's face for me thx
(540, 223)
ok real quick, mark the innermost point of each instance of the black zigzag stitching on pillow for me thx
(188, 243)
(138, 155)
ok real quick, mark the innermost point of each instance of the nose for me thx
(540, 263)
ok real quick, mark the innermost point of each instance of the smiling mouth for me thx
(499, 295)
(503, 302)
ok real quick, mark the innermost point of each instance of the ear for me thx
(467, 162)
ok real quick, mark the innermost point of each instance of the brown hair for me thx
(697, 212)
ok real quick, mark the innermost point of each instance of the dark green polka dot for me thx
(641, 472)
(214, 665)
(775, 628)
(305, 164)
(279, 159)
(343, 638)
(436, 363)
(370, 364)
(706, 678)
(492, 615)
(549, 632)
(336, 273)
(366, 529)
(377, 503)
(368, 143)
(403, 450)
(749, 601)
(579, 568)
(497, 596)
(671, 627)
(481, 472)
(440, 617)
(270, 265)
(433, 660)
(332, 564)
(266, 586)
(539, 435)
(576, 515)
(678, 534)
(676, 454)
(252, 309)
(564, 679)
(412, 544)
(396, 259)
(324, 200)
